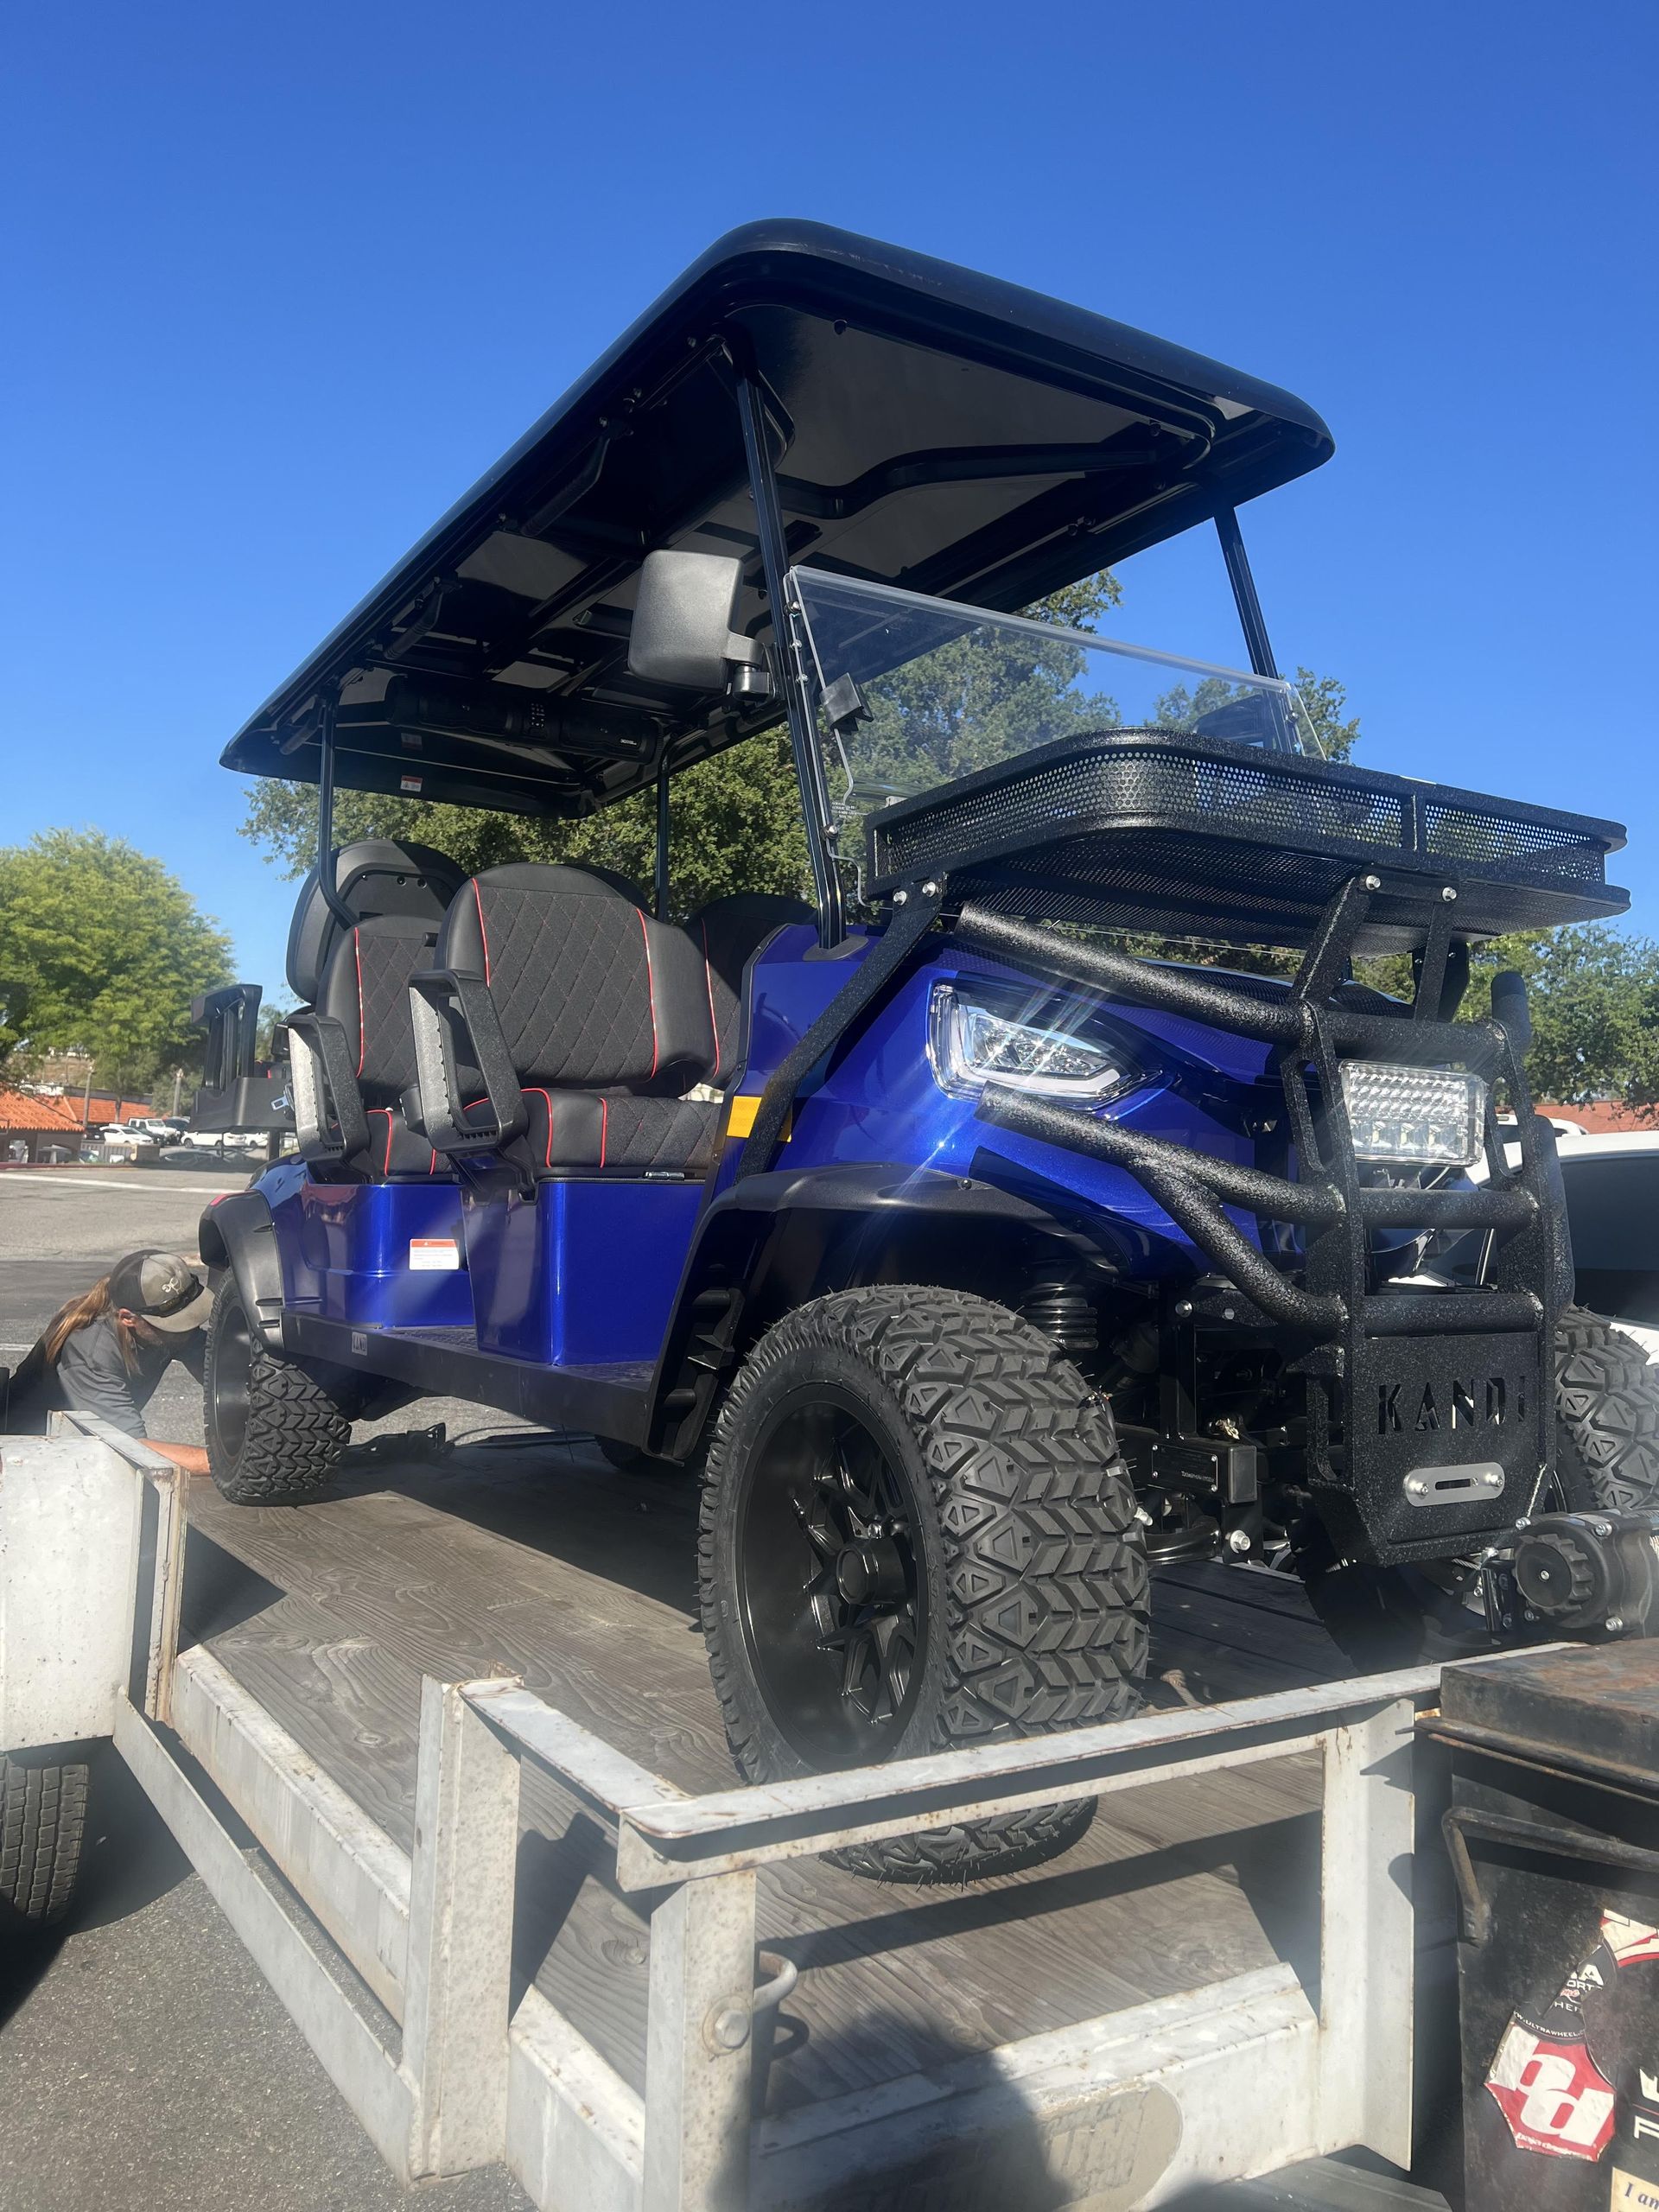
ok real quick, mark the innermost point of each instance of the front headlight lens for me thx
(973, 1042)
(1428, 1117)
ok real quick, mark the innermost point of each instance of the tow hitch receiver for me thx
(1578, 1572)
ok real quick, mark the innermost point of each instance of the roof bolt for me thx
(901, 898)
(1417, 1486)
(1227, 1313)
(1602, 1527)
(1448, 894)
(1185, 1309)
(1529, 1615)
(930, 890)
(1373, 883)
(1524, 1521)
(1238, 1540)
(1615, 1622)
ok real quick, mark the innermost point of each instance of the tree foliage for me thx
(101, 951)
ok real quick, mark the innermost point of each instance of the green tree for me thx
(101, 951)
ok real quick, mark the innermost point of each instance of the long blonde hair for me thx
(79, 1314)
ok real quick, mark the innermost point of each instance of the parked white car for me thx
(1612, 1209)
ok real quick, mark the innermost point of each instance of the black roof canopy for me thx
(932, 428)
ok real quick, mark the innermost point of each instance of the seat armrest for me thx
(328, 1118)
(446, 1009)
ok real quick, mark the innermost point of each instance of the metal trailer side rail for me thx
(360, 1937)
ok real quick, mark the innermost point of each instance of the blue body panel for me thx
(879, 1101)
(582, 1274)
(578, 1274)
(345, 1250)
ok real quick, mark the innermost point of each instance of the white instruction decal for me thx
(432, 1253)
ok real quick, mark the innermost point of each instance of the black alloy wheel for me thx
(227, 1401)
(275, 1431)
(833, 1605)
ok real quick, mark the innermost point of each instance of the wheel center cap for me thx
(871, 1572)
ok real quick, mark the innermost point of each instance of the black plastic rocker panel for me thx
(609, 1401)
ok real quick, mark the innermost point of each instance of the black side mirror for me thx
(1510, 1007)
(683, 614)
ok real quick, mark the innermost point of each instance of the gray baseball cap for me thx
(163, 1289)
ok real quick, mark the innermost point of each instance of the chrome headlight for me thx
(1428, 1117)
(975, 1037)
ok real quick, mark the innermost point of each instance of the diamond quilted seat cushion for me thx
(607, 1018)
(365, 989)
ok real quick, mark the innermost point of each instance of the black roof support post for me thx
(326, 855)
(660, 883)
(1244, 598)
(797, 695)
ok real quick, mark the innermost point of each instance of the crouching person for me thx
(105, 1351)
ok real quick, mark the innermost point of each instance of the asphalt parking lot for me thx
(143, 2060)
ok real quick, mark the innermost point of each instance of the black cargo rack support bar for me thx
(1190, 1189)
(1287, 1020)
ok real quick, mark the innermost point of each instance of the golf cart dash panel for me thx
(978, 1258)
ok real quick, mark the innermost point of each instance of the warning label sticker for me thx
(431, 1253)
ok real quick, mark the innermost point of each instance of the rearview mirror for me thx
(682, 632)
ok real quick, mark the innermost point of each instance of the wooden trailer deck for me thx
(543, 1562)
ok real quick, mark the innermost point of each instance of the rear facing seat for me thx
(609, 1016)
(361, 996)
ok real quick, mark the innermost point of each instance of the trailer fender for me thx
(773, 1241)
(238, 1234)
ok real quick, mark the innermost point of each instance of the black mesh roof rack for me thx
(1205, 837)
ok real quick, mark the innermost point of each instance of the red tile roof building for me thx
(31, 1128)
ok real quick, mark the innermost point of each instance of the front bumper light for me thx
(1426, 1117)
(972, 1042)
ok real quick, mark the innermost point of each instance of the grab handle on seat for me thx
(328, 1118)
(446, 1006)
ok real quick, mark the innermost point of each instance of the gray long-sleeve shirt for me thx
(93, 1378)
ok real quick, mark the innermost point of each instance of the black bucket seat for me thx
(351, 1052)
(604, 1019)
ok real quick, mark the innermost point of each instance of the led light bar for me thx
(1431, 1117)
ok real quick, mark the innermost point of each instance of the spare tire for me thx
(1607, 1416)
(43, 1819)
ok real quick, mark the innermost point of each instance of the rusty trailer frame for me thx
(397, 1966)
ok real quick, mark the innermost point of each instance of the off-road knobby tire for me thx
(1607, 1416)
(1037, 1567)
(295, 1430)
(43, 1819)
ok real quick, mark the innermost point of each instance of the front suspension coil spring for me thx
(1057, 1303)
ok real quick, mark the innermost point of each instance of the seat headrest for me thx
(566, 879)
(374, 877)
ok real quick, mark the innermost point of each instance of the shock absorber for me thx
(1056, 1302)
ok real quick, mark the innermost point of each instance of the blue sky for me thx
(281, 282)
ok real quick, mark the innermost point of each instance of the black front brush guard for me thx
(1364, 1354)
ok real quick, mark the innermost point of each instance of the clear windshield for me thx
(918, 692)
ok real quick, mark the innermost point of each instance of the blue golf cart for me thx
(974, 1251)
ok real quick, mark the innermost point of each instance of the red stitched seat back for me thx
(591, 992)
